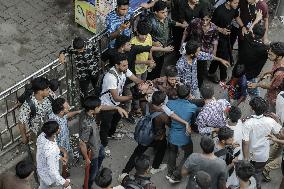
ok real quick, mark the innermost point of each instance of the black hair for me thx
(207, 12)
(258, 31)
(104, 178)
(57, 105)
(259, 105)
(158, 98)
(78, 43)
(26, 94)
(159, 6)
(122, 2)
(54, 84)
(24, 169)
(142, 164)
(203, 179)
(91, 103)
(50, 128)
(244, 170)
(171, 71)
(121, 40)
(207, 91)
(119, 57)
(191, 47)
(235, 114)
(39, 83)
(207, 145)
(225, 133)
(238, 71)
(183, 91)
(143, 28)
(277, 48)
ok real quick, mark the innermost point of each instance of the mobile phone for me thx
(237, 153)
(126, 22)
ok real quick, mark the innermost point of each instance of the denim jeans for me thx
(96, 163)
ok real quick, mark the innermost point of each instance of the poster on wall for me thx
(103, 8)
(85, 15)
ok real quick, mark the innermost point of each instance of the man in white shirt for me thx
(111, 95)
(255, 131)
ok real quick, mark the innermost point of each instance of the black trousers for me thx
(109, 121)
(201, 72)
(173, 151)
(160, 147)
(156, 72)
(259, 167)
(84, 86)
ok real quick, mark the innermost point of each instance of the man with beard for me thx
(111, 95)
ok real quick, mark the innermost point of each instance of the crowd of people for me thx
(166, 103)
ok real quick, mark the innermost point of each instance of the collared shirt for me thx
(187, 13)
(47, 158)
(113, 22)
(43, 109)
(63, 136)
(255, 130)
(87, 61)
(163, 85)
(212, 116)
(207, 39)
(188, 72)
(280, 106)
(89, 133)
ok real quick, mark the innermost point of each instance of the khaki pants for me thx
(274, 160)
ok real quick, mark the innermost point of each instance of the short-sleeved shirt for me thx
(87, 61)
(113, 21)
(163, 85)
(89, 133)
(207, 39)
(43, 109)
(237, 88)
(280, 106)
(276, 81)
(159, 123)
(63, 136)
(255, 130)
(188, 14)
(216, 168)
(11, 181)
(110, 82)
(142, 68)
(185, 110)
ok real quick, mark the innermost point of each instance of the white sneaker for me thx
(107, 151)
(161, 168)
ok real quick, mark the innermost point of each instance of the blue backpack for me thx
(144, 130)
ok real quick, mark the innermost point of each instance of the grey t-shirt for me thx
(216, 168)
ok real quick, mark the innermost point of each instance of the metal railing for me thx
(9, 106)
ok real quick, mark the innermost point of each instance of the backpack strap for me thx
(117, 81)
(33, 110)
(221, 152)
(281, 69)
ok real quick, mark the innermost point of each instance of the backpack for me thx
(134, 184)
(144, 130)
(101, 80)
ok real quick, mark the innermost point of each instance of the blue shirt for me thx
(113, 21)
(184, 109)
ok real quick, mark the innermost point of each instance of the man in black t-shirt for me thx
(222, 17)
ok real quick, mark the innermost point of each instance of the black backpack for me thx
(134, 184)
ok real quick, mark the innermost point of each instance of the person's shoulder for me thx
(111, 14)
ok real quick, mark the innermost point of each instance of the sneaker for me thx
(174, 180)
(161, 168)
(131, 119)
(107, 151)
(266, 176)
(168, 176)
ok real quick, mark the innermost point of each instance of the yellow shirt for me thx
(142, 68)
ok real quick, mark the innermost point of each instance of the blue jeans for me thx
(253, 92)
(96, 163)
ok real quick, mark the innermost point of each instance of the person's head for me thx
(183, 92)
(258, 31)
(238, 71)
(104, 178)
(50, 128)
(234, 114)
(24, 169)
(158, 98)
(259, 105)
(122, 7)
(207, 145)
(40, 85)
(79, 44)
(207, 92)
(92, 105)
(192, 48)
(203, 180)
(143, 29)
(60, 106)
(123, 42)
(121, 62)
(160, 9)
(233, 3)
(244, 170)
(225, 136)
(206, 17)
(276, 51)
(142, 164)
(171, 74)
(251, 2)
(193, 2)
(54, 84)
